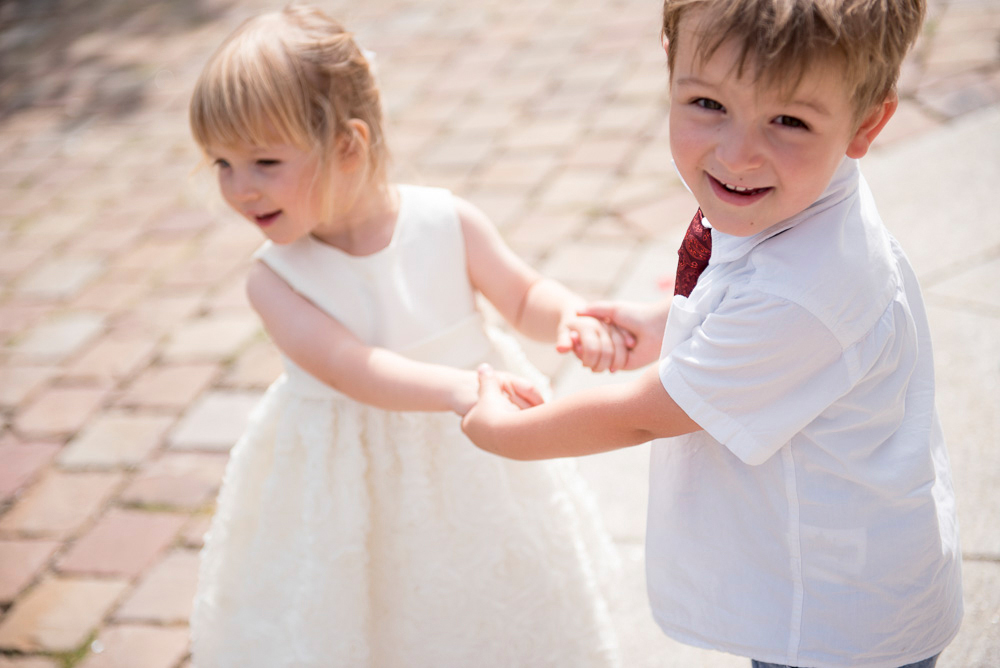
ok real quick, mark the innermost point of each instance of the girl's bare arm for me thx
(540, 308)
(331, 353)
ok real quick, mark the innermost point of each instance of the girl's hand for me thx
(601, 345)
(518, 392)
(483, 421)
(643, 322)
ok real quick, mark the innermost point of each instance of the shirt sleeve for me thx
(756, 371)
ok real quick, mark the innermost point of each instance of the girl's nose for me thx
(740, 149)
(241, 188)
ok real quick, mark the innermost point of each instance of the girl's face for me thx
(275, 187)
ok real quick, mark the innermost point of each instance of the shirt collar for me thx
(841, 189)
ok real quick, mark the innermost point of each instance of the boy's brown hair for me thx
(779, 39)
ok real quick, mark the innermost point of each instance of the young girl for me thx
(356, 526)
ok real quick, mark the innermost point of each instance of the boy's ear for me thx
(871, 126)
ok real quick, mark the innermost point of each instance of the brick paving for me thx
(129, 359)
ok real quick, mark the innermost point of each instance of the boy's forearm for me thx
(597, 420)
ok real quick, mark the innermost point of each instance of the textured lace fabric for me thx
(348, 536)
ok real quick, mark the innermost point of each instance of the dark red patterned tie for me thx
(692, 256)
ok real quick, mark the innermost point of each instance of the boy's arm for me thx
(375, 376)
(596, 420)
(539, 307)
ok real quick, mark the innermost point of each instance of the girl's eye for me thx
(708, 103)
(791, 122)
(267, 162)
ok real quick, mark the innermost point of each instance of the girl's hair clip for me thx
(370, 57)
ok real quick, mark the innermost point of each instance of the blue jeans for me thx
(926, 663)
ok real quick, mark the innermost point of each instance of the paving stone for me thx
(546, 134)
(909, 120)
(133, 645)
(154, 254)
(537, 234)
(60, 277)
(501, 206)
(231, 296)
(110, 293)
(978, 642)
(59, 503)
(211, 337)
(178, 480)
(574, 190)
(954, 95)
(193, 535)
(20, 463)
(590, 263)
(59, 410)
(604, 153)
(15, 261)
(174, 385)
(122, 543)
(59, 336)
(27, 662)
(158, 313)
(215, 422)
(114, 357)
(18, 382)
(58, 614)
(518, 170)
(665, 218)
(113, 440)
(20, 562)
(165, 593)
(256, 367)
(16, 316)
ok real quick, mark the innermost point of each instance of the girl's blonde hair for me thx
(780, 39)
(294, 77)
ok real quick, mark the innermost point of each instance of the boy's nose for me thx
(740, 149)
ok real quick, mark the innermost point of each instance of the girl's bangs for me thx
(250, 102)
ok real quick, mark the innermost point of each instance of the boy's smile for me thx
(755, 155)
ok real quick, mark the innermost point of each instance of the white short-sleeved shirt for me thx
(812, 522)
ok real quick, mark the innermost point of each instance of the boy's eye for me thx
(791, 122)
(708, 103)
(220, 163)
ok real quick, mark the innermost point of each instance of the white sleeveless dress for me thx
(351, 536)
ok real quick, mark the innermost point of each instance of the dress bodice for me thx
(413, 296)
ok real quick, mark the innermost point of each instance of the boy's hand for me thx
(600, 345)
(482, 423)
(644, 323)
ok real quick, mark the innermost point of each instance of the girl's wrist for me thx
(464, 393)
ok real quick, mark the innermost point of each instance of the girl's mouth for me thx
(738, 195)
(267, 218)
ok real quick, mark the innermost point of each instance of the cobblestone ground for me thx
(129, 358)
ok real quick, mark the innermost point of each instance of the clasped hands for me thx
(605, 336)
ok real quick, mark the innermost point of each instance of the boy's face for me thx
(752, 155)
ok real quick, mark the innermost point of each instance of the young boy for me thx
(805, 516)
